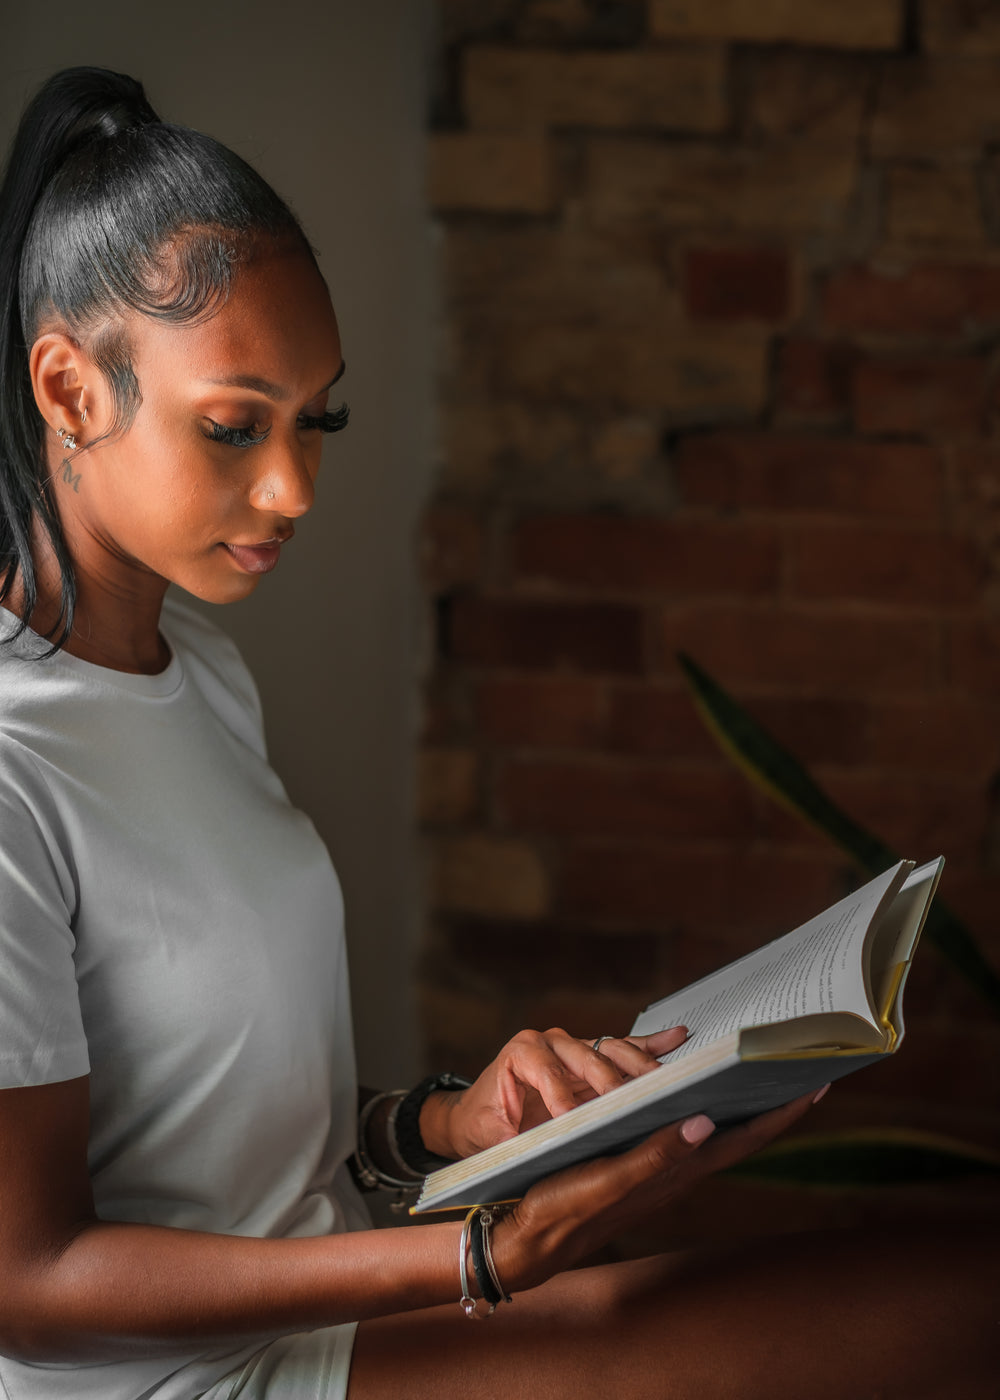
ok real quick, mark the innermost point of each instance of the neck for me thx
(111, 628)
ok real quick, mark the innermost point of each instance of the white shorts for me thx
(304, 1366)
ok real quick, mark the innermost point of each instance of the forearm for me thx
(116, 1287)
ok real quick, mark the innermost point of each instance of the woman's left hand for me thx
(536, 1076)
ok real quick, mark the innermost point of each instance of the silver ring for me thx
(600, 1041)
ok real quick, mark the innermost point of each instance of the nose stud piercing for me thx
(270, 495)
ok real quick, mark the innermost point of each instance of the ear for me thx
(69, 389)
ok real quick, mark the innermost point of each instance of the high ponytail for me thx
(104, 211)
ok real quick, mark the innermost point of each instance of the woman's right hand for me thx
(566, 1217)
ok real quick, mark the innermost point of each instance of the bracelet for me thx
(407, 1144)
(467, 1303)
(488, 1219)
(369, 1174)
(476, 1233)
(392, 1145)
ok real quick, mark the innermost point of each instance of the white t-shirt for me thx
(172, 926)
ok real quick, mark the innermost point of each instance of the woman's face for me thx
(220, 460)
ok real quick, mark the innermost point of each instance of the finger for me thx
(661, 1042)
(743, 1139)
(635, 1055)
(559, 1068)
(607, 1181)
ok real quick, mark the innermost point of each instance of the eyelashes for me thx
(331, 422)
(237, 437)
(327, 422)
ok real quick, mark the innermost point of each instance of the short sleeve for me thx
(41, 1030)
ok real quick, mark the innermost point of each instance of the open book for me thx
(810, 1007)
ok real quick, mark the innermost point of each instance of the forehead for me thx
(277, 325)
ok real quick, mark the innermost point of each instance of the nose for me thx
(285, 485)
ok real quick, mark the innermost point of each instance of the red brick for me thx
(490, 171)
(924, 569)
(648, 364)
(813, 381)
(444, 709)
(447, 785)
(815, 729)
(619, 798)
(580, 22)
(554, 712)
(780, 187)
(931, 108)
(451, 547)
(960, 26)
(927, 299)
(937, 736)
(673, 88)
(927, 396)
(852, 24)
(654, 720)
(493, 876)
(790, 472)
(737, 284)
(470, 19)
(642, 556)
(692, 890)
(974, 894)
(581, 1013)
(934, 207)
(973, 657)
(927, 1068)
(920, 816)
(523, 957)
(531, 636)
(812, 98)
(839, 654)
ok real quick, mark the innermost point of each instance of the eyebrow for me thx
(265, 386)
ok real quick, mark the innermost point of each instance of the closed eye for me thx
(237, 437)
(326, 422)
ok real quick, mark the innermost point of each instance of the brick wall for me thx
(719, 362)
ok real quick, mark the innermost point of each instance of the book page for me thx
(817, 968)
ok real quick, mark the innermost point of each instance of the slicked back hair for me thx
(105, 211)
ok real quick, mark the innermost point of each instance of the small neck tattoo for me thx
(70, 477)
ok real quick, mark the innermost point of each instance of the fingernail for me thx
(822, 1093)
(696, 1130)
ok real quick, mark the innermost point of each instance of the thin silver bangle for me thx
(468, 1304)
(369, 1174)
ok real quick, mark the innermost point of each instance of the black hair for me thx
(105, 210)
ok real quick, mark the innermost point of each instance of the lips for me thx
(256, 558)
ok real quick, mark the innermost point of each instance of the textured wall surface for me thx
(720, 352)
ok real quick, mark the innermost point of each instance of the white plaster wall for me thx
(328, 102)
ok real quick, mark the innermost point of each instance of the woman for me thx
(177, 1095)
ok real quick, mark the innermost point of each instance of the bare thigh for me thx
(815, 1317)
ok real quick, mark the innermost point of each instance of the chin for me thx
(231, 590)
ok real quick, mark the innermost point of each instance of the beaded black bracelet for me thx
(409, 1145)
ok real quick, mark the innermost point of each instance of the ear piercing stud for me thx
(67, 439)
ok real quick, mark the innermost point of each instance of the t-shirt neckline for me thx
(163, 683)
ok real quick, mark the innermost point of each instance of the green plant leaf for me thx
(868, 1157)
(772, 768)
